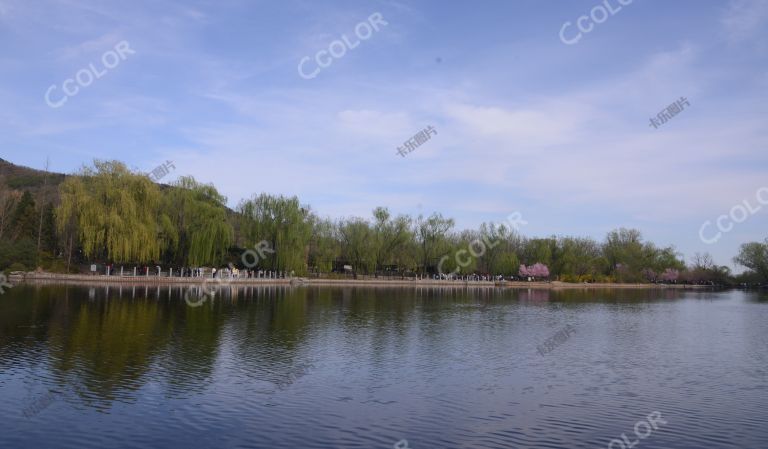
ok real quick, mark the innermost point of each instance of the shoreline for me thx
(85, 279)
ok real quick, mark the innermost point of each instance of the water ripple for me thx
(283, 367)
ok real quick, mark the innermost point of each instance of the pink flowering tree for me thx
(670, 275)
(537, 270)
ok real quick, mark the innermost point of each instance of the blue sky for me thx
(525, 122)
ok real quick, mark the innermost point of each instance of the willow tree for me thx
(458, 259)
(324, 246)
(358, 242)
(391, 237)
(432, 237)
(198, 213)
(115, 213)
(499, 243)
(754, 255)
(284, 224)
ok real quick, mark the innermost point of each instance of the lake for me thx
(282, 367)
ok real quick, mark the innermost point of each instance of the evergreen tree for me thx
(25, 218)
(49, 237)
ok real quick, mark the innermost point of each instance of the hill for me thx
(37, 182)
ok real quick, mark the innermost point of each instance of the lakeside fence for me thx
(361, 281)
(149, 272)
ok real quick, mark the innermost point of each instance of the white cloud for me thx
(591, 146)
(397, 125)
(745, 18)
(532, 125)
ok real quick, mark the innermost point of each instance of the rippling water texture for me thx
(273, 367)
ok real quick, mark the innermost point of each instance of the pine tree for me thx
(25, 218)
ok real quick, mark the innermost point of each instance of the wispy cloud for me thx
(744, 19)
(89, 47)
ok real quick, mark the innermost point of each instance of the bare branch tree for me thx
(40, 202)
(8, 200)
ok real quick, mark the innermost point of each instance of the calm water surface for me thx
(276, 367)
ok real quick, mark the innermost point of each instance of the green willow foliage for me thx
(432, 237)
(391, 237)
(115, 211)
(323, 249)
(198, 216)
(114, 214)
(358, 244)
(284, 224)
(122, 216)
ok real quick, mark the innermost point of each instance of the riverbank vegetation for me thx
(109, 214)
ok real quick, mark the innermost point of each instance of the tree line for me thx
(108, 213)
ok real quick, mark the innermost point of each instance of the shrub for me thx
(21, 252)
(16, 267)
